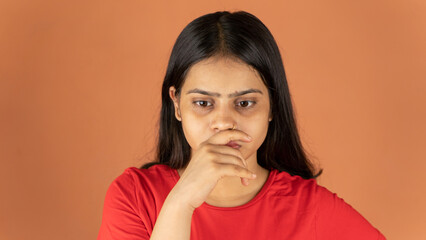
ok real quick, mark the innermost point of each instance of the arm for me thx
(335, 219)
(174, 220)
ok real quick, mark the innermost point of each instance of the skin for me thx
(202, 116)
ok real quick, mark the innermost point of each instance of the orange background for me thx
(80, 98)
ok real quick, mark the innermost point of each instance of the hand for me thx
(212, 161)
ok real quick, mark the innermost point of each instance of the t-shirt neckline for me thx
(262, 192)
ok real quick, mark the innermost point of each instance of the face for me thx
(214, 98)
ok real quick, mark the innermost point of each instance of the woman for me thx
(227, 114)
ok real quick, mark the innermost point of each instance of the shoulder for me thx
(138, 185)
(307, 192)
(142, 191)
(286, 184)
(310, 192)
(158, 171)
(334, 218)
(155, 178)
(133, 200)
(294, 184)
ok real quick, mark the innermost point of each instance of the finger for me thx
(230, 151)
(245, 181)
(225, 158)
(223, 137)
(235, 170)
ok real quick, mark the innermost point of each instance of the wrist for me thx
(177, 202)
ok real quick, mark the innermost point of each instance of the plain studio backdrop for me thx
(80, 98)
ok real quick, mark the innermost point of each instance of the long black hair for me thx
(241, 35)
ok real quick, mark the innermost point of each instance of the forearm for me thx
(173, 222)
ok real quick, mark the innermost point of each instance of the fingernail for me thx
(248, 137)
(253, 175)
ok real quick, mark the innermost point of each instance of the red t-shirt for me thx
(287, 207)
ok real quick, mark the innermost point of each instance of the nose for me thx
(222, 120)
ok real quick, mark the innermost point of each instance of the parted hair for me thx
(243, 36)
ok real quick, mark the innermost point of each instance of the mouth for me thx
(233, 144)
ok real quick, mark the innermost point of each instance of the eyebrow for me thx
(214, 94)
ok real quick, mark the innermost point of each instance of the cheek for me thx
(194, 130)
(257, 128)
(258, 131)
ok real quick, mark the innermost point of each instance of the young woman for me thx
(226, 115)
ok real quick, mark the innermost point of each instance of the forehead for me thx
(224, 75)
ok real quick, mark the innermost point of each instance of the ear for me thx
(172, 94)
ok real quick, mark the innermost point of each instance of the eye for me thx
(201, 103)
(246, 104)
(241, 104)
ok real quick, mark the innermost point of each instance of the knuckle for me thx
(215, 167)
(230, 136)
(211, 156)
(240, 161)
(239, 155)
(208, 147)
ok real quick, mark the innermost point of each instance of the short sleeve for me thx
(335, 219)
(119, 217)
